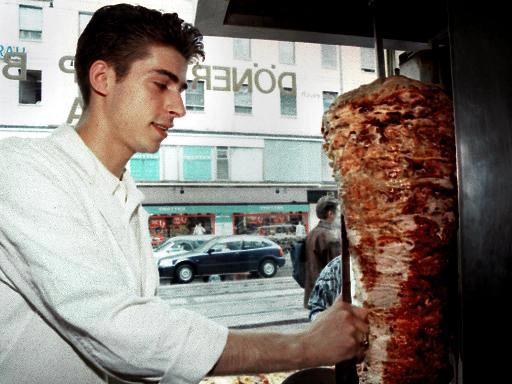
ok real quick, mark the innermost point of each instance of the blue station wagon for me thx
(224, 255)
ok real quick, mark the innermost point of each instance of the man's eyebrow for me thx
(173, 77)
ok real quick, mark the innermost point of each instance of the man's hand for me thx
(337, 334)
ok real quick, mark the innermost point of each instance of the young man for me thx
(322, 243)
(77, 280)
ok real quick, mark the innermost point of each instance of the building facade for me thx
(247, 157)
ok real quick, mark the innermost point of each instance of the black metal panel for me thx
(482, 86)
(403, 24)
(398, 19)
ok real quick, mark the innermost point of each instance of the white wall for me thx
(246, 164)
(170, 162)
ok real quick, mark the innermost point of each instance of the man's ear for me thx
(101, 75)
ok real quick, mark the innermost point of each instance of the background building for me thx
(248, 155)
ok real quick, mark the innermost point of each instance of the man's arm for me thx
(341, 329)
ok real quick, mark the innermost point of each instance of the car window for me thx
(168, 243)
(234, 245)
(253, 244)
(186, 246)
(176, 245)
(227, 245)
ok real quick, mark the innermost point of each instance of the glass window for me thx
(197, 163)
(254, 244)
(222, 163)
(185, 246)
(31, 22)
(329, 56)
(194, 97)
(30, 89)
(243, 100)
(145, 166)
(242, 49)
(227, 245)
(286, 52)
(288, 102)
(368, 59)
(83, 20)
(328, 98)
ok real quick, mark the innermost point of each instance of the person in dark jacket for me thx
(322, 243)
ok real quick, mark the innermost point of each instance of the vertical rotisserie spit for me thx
(391, 144)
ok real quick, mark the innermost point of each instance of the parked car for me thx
(224, 255)
(178, 245)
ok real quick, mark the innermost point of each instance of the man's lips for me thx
(162, 126)
(162, 129)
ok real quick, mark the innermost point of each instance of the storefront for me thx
(268, 220)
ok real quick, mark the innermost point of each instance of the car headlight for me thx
(165, 263)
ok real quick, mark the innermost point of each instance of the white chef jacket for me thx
(78, 299)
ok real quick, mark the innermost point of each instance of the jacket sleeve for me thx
(53, 256)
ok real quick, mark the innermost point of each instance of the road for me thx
(273, 304)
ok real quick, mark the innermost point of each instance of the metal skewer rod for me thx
(345, 371)
(379, 47)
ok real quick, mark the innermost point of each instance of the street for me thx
(259, 304)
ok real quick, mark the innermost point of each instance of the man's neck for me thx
(112, 155)
(325, 223)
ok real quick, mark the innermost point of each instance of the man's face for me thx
(143, 105)
(333, 216)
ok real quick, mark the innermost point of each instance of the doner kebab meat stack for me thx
(391, 145)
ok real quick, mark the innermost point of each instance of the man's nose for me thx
(175, 105)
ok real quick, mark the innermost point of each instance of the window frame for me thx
(329, 62)
(283, 98)
(332, 94)
(85, 13)
(191, 92)
(242, 54)
(242, 106)
(28, 34)
(368, 64)
(23, 84)
(219, 149)
(283, 52)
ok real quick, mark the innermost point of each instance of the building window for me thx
(288, 102)
(197, 163)
(328, 98)
(329, 57)
(83, 20)
(194, 97)
(31, 22)
(145, 166)
(242, 49)
(222, 163)
(30, 89)
(286, 52)
(368, 59)
(243, 100)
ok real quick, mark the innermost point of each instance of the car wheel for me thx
(268, 268)
(185, 273)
